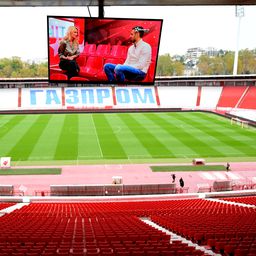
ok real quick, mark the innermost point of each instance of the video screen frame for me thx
(102, 41)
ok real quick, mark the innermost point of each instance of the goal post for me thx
(240, 122)
(245, 124)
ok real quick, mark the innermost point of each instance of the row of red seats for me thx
(58, 229)
(133, 249)
(238, 97)
(136, 208)
(92, 69)
(244, 200)
(5, 205)
(102, 50)
(114, 227)
(234, 246)
(92, 60)
(215, 224)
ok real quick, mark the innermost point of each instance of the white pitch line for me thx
(220, 175)
(207, 176)
(233, 176)
(98, 142)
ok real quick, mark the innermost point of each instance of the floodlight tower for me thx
(239, 14)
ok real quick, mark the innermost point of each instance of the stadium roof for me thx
(122, 2)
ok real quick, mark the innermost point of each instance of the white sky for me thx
(24, 29)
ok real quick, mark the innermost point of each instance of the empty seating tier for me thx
(116, 228)
(243, 200)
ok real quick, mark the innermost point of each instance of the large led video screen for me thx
(103, 50)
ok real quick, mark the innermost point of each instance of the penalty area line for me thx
(97, 138)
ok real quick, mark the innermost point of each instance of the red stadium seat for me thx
(89, 49)
(103, 50)
(118, 51)
(150, 74)
(78, 78)
(81, 60)
(54, 59)
(94, 65)
(58, 76)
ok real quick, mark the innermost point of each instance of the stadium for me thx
(90, 167)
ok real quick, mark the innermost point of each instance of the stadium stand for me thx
(230, 96)
(248, 99)
(176, 98)
(5, 205)
(241, 97)
(210, 97)
(244, 200)
(117, 228)
(213, 224)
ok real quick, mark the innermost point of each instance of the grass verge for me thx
(30, 171)
(187, 168)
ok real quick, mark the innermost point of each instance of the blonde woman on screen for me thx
(68, 52)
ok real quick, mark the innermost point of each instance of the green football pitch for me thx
(38, 139)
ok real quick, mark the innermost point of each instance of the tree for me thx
(16, 63)
(204, 65)
(168, 67)
(228, 60)
(164, 65)
(223, 64)
(42, 70)
(247, 62)
(15, 68)
(178, 68)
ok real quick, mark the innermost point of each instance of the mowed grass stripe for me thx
(13, 135)
(197, 140)
(210, 138)
(224, 125)
(243, 134)
(10, 123)
(67, 147)
(226, 142)
(46, 145)
(145, 136)
(88, 143)
(109, 143)
(25, 145)
(4, 126)
(157, 131)
(176, 145)
(130, 143)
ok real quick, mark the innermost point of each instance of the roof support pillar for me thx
(101, 8)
